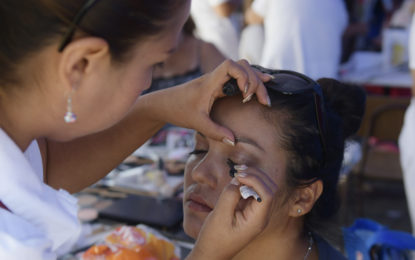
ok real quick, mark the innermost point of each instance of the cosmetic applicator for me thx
(244, 190)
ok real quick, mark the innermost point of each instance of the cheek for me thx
(137, 81)
(191, 162)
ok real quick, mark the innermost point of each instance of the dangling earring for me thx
(70, 117)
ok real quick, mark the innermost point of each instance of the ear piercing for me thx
(299, 211)
(69, 117)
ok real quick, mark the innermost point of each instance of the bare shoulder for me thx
(210, 56)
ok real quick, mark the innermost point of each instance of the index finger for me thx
(248, 80)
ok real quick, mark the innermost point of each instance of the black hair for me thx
(26, 26)
(299, 135)
(189, 27)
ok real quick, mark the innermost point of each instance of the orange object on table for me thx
(133, 243)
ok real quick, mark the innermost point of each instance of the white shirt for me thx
(407, 158)
(223, 32)
(411, 49)
(303, 35)
(42, 222)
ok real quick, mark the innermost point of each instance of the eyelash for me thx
(231, 165)
(229, 162)
(160, 64)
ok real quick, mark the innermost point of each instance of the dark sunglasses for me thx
(289, 82)
(69, 34)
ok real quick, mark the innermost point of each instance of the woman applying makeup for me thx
(71, 73)
(296, 147)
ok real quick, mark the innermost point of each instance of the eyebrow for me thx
(242, 139)
(247, 140)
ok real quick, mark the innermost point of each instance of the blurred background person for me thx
(253, 28)
(192, 58)
(218, 22)
(407, 136)
(301, 35)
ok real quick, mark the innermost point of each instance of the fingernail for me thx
(271, 76)
(268, 101)
(241, 174)
(246, 88)
(228, 141)
(242, 167)
(248, 98)
(235, 182)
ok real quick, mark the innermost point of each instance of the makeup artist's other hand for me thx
(250, 82)
(231, 225)
(189, 105)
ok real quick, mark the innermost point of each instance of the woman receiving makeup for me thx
(71, 75)
(295, 146)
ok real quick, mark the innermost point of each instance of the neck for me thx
(23, 118)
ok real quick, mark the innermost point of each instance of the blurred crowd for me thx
(312, 37)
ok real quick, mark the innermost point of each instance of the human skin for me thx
(207, 173)
(112, 120)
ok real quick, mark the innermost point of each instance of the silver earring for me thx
(299, 211)
(70, 117)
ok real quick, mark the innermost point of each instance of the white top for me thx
(411, 49)
(303, 35)
(42, 222)
(220, 31)
(407, 158)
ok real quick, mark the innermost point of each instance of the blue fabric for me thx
(366, 237)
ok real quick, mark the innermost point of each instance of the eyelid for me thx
(159, 64)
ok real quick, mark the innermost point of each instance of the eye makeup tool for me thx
(245, 191)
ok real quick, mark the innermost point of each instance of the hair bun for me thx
(347, 101)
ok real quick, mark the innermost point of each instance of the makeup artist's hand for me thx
(232, 225)
(189, 105)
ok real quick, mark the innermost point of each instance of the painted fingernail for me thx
(268, 101)
(235, 182)
(228, 141)
(241, 174)
(242, 167)
(271, 76)
(246, 88)
(248, 98)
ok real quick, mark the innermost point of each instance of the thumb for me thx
(215, 131)
(227, 203)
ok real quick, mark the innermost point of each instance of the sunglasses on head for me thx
(69, 34)
(289, 82)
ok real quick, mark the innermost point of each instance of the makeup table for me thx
(145, 189)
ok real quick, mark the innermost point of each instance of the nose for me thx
(208, 171)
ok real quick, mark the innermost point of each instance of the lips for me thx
(196, 202)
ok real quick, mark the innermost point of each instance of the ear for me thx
(80, 58)
(305, 198)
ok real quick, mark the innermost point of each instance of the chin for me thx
(192, 225)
